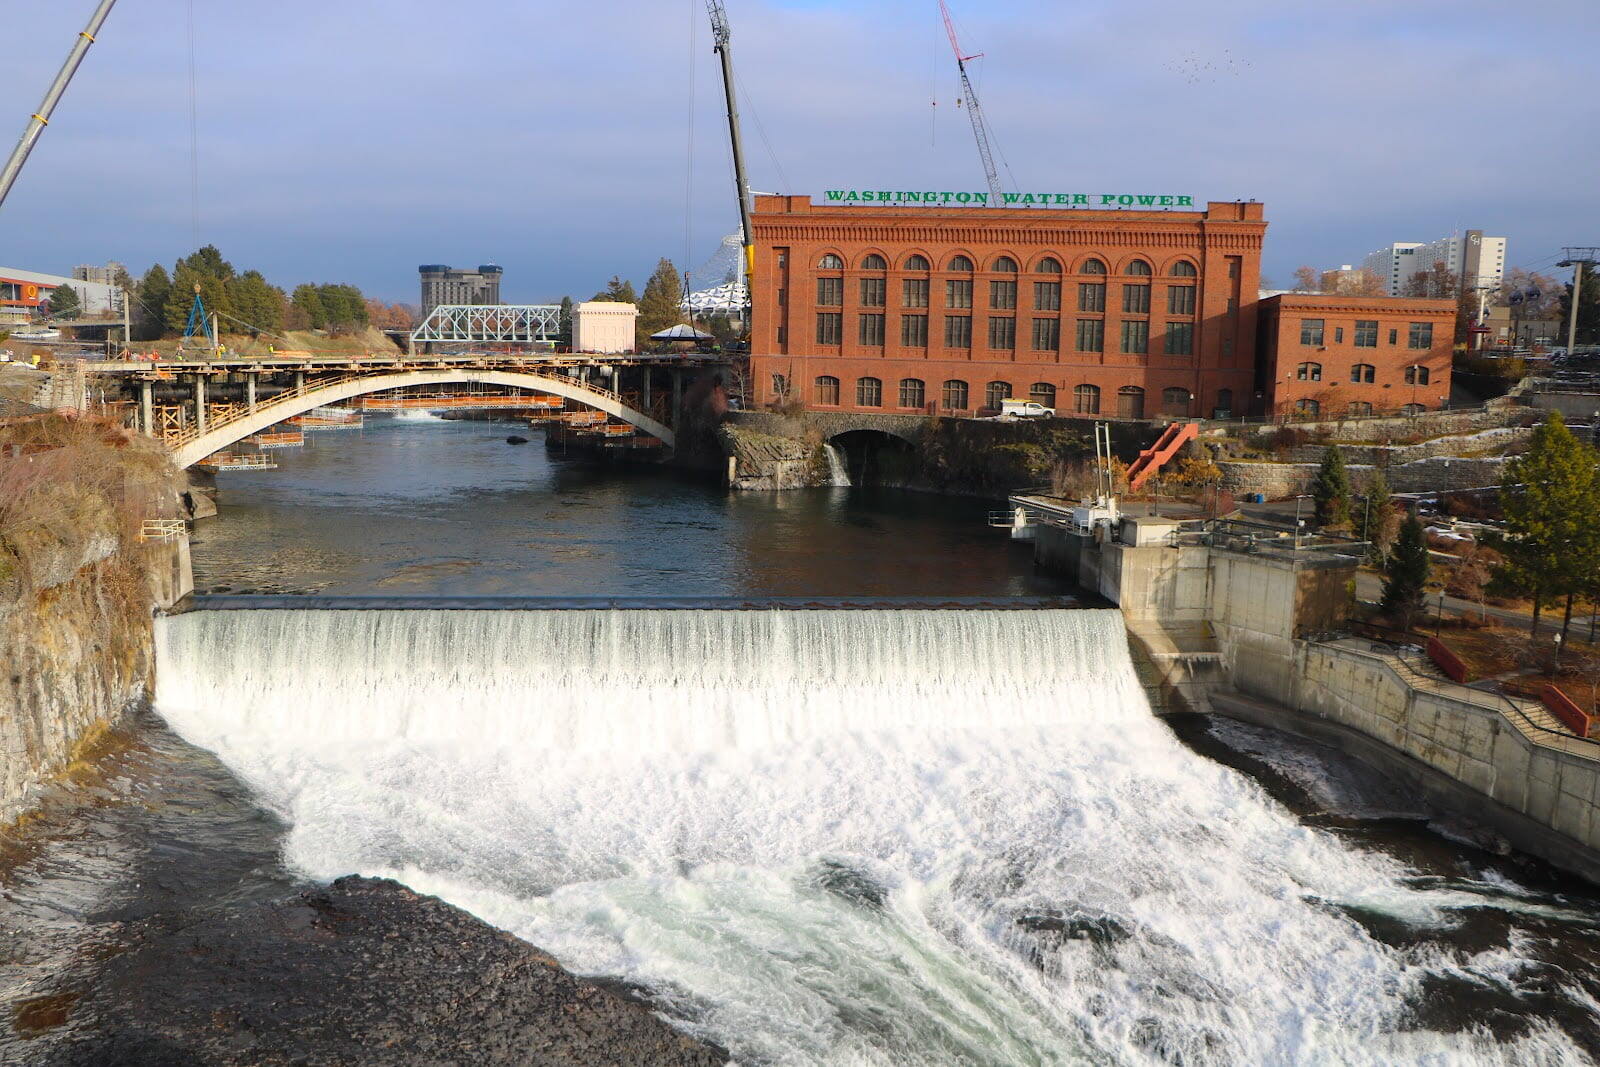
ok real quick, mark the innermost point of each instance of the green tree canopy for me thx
(1405, 578)
(1331, 490)
(64, 302)
(660, 307)
(564, 331)
(306, 304)
(257, 305)
(150, 302)
(1550, 498)
(618, 291)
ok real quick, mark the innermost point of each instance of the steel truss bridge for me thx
(202, 408)
(489, 324)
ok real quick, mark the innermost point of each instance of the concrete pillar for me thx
(299, 381)
(250, 390)
(677, 396)
(644, 390)
(200, 402)
(147, 407)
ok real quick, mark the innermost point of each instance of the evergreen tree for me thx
(213, 292)
(661, 306)
(564, 330)
(1331, 490)
(618, 291)
(1379, 523)
(64, 302)
(307, 302)
(1588, 309)
(150, 302)
(1406, 575)
(1550, 496)
(256, 303)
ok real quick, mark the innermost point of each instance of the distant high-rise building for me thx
(106, 275)
(1474, 259)
(444, 285)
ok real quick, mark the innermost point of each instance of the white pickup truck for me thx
(1026, 409)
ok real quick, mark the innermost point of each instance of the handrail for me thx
(162, 529)
(1404, 667)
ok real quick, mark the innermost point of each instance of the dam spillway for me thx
(831, 836)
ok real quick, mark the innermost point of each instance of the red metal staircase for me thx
(1155, 457)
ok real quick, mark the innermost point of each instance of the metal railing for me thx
(162, 529)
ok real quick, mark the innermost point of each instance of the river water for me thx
(891, 836)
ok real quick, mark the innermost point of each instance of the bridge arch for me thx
(287, 405)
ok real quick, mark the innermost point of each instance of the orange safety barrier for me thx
(1563, 708)
(1446, 660)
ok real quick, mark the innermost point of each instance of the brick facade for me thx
(1352, 355)
(1116, 313)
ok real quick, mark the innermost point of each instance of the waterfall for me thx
(832, 836)
(838, 474)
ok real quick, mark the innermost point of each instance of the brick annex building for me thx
(1119, 313)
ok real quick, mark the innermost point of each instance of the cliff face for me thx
(77, 587)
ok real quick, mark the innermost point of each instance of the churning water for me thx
(867, 837)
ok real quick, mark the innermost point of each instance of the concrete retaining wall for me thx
(1279, 480)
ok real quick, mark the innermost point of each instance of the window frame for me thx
(821, 387)
(913, 387)
(869, 392)
(955, 388)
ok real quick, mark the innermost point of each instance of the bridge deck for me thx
(350, 364)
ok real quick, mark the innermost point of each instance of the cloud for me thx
(353, 141)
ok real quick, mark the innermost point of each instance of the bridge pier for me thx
(644, 390)
(200, 402)
(299, 381)
(147, 407)
(250, 391)
(677, 397)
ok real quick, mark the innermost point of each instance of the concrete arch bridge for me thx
(209, 406)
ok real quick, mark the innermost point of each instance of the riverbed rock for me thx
(362, 971)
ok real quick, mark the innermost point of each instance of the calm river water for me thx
(1019, 866)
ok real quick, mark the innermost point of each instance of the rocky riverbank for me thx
(361, 971)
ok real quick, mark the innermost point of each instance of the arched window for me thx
(1093, 266)
(830, 262)
(1416, 375)
(869, 393)
(1049, 265)
(1224, 404)
(1139, 267)
(1086, 400)
(1175, 401)
(961, 263)
(1307, 406)
(827, 389)
(1363, 372)
(955, 395)
(780, 386)
(913, 393)
(916, 262)
(1005, 265)
(1183, 269)
(874, 262)
(995, 392)
(1042, 393)
(1412, 409)
(1130, 402)
(1309, 372)
(1360, 407)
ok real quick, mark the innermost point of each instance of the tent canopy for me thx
(681, 332)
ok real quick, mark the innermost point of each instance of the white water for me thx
(812, 833)
(838, 474)
(419, 417)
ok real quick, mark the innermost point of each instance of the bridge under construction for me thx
(205, 409)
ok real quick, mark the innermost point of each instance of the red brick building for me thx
(1355, 355)
(892, 308)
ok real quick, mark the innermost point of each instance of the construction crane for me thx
(41, 118)
(721, 35)
(980, 128)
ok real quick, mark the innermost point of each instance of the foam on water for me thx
(830, 836)
(418, 417)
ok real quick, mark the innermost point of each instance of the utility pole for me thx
(1577, 259)
(41, 118)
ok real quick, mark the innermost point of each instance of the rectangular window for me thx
(1338, 335)
(1366, 333)
(1421, 335)
(1091, 335)
(914, 331)
(1311, 332)
(1180, 300)
(830, 327)
(957, 294)
(1046, 335)
(1394, 337)
(830, 292)
(783, 298)
(915, 291)
(1002, 333)
(1135, 337)
(871, 329)
(1003, 295)
(1092, 296)
(872, 292)
(1180, 338)
(783, 335)
(958, 331)
(1047, 296)
(1136, 299)
(912, 392)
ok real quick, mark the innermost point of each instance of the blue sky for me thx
(354, 141)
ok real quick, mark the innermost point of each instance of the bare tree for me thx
(1307, 280)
